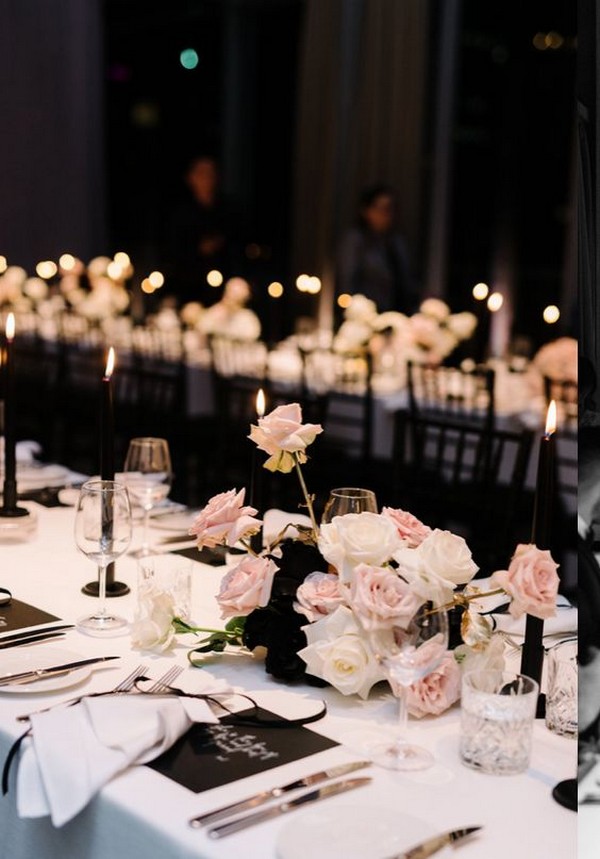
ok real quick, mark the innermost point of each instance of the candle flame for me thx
(110, 363)
(551, 418)
(10, 326)
(260, 403)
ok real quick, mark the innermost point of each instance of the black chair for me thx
(466, 478)
(452, 391)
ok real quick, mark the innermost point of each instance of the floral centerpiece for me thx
(428, 336)
(310, 601)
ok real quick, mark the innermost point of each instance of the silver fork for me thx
(165, 681)
(126, 685)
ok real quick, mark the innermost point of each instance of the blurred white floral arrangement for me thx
(558, 360)
(428, 336)
(308, 602)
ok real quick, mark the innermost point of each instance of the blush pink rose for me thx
(380, 598)
(410, 529)
(225, 519)
(318, 596)
(436, 692)
(531, 581)
(284, 437)
(246, 587)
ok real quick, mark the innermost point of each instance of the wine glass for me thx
(148, 476)
(349, 500)
(408, 653)
(102, 533)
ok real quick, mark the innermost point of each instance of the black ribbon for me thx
(9, 759)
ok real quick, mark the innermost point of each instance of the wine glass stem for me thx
(145, 538)
(402, 713)
(101, 591)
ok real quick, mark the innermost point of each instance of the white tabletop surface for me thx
(142, 815)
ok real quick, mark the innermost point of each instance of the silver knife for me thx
(266, 795)
(432, 845)
(31, 639)
(15, 636)
(283, 807)
(40, 673)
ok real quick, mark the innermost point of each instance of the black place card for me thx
(215, 557)
(211, 755)
(21, 615)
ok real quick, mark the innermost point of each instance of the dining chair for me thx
(451, 391)
(468, 478)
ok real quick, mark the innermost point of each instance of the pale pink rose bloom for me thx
(531, 581)
(410, 529)
(318, 596)
(246, 587)
(380, 598)
(284, 437)
(225, 519)
(436, 692)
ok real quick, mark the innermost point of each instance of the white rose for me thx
(462, 325)
(338, 652)
(436, 308)
(490, 659)
(438, 565)
(358, 538)
(152, 627)
(361, 309)
(352, 336)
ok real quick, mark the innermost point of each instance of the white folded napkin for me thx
(74, 751)
(274, 521)
(564, 622)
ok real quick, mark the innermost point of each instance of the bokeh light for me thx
(214, 278)
(3, 264)
(46, 269)
(147, 286)
(67, 262)
(495, 302)
(189, 58)
(551, 314)
(122, 259)
(275, 289)
(313, 285)
(480, 291)
(302, 282)
(114, 270)
(157, 279)
(344, 300)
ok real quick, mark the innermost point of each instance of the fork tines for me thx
(167, 678)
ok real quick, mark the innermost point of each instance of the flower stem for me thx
(465, 599)
(307, 498)
(249, 549)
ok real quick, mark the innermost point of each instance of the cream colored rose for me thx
(531, 581)
(437, 566)
(358, 538)
(337, 652)
(152, 627)
(284, 437)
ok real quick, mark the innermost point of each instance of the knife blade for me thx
(314, 796)
(432, 845)
(40, 673)
(275, 792)
(31, 639)
(15, 636)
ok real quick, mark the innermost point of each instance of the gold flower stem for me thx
(249, 549)
(464, 599)
(307, 497)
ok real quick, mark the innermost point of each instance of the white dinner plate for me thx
(18, 660)
(30, 478)
(339, 831)
(180, 521)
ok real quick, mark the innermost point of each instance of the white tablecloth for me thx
(143, 815)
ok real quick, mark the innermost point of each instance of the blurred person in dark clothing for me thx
(205, 234)
(372, 257)
(588, 508)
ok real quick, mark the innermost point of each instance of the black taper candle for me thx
(9, 493)
(532, 658)
(256, 475)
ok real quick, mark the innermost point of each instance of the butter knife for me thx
(283, 807)
(15, 636)
(432, 845)
(51, 671)
(275, 792)
(31, 639)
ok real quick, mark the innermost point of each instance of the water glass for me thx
(165, 575)
(561, 696)
(349, 500)
(497, 715)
